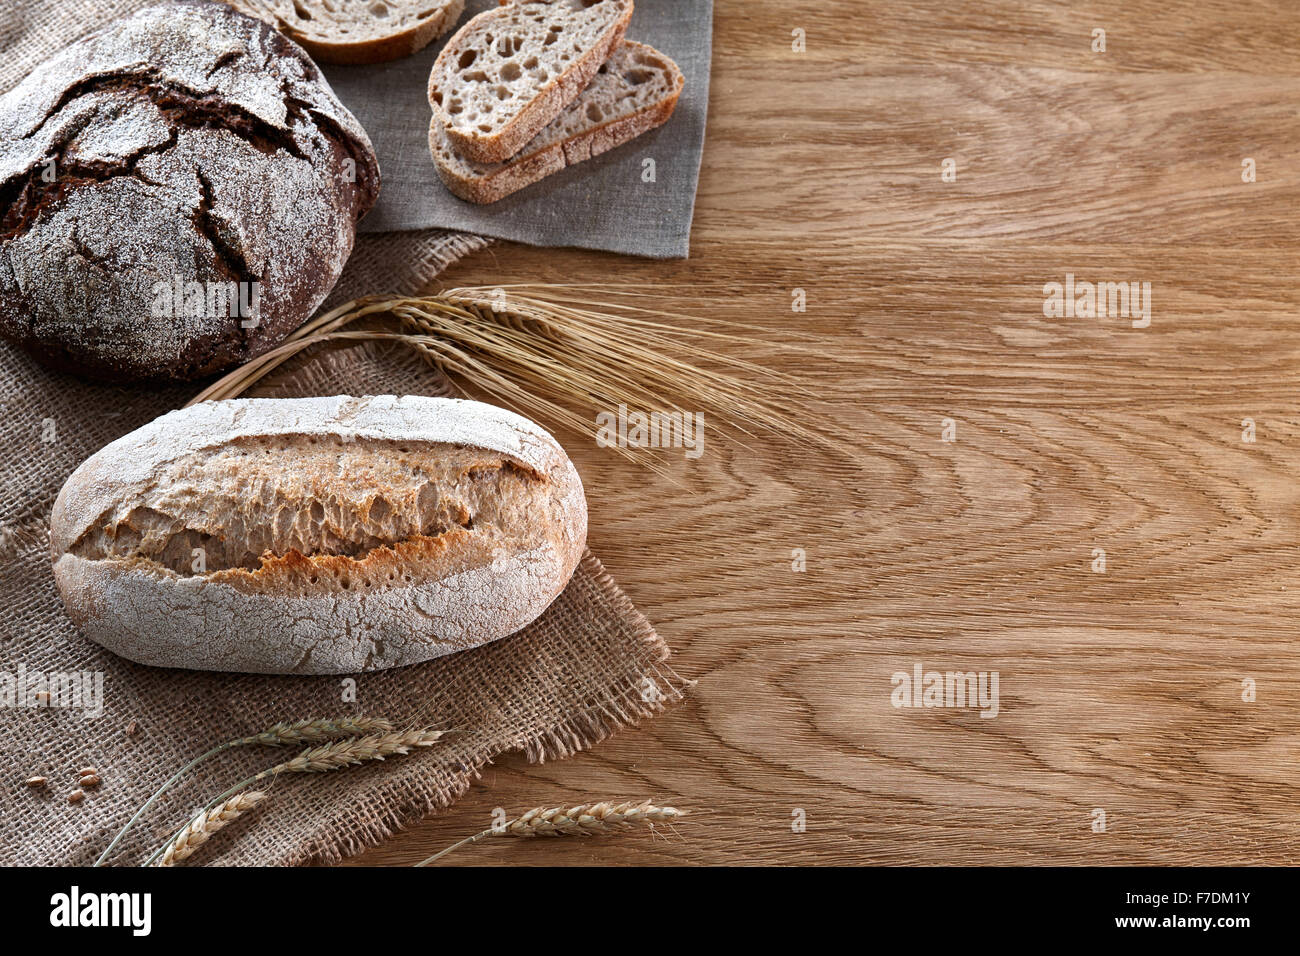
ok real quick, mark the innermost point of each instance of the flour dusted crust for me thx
(187, 143)
(509, 71)
(339, 534)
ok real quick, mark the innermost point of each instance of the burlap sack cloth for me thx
(591, 664)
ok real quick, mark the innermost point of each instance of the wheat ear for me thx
(312, 731)
(586, 819)
(354, 750)
(204, 825)
(277, 735)
(331, 756)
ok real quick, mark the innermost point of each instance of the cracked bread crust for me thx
(185, 144)
(337, 535)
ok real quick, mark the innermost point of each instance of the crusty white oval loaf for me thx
(634, 91)
(317, 535)
(358, 31)
(510, 71)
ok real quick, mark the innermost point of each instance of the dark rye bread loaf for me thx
(178, 191)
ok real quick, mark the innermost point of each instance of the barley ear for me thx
(548, 351)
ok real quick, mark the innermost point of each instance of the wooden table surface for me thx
(1161, 691)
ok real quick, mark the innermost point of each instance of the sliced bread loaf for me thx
(358, 31)
(634, 91)
(510, 71)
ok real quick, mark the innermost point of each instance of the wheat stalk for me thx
(586, 819)
(277, 735)
(204, 825)
(543, 353)
(330, 756)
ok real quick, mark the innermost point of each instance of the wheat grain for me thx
(310, 731)
(205, 824)
(354, 750)
(586, 819)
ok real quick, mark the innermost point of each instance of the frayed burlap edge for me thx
(374, 254)
(624, 705)
(578, 732)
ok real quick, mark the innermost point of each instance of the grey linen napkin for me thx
(604, 203)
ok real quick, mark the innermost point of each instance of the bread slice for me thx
(510, 71)
(357, 31)
(634, 91)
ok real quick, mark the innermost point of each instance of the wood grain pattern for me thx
(1120, 690)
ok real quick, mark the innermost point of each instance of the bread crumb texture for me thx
(321, 535)
(635, 90)
(508, 72)
(358, 31)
